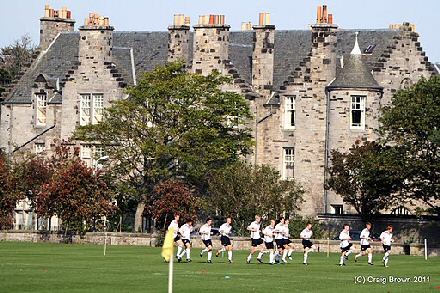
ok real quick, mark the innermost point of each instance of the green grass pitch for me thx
(30, 267)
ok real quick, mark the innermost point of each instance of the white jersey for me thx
(279, 228)
(205, 231)
(386, 237)
(175, 226)
(344, 236)
(256, 227)
(225, 229)
(285, 232)
(268, 233)
(365, 236)
(185, 231)
(306, 234)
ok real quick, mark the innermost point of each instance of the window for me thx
(91, 108)
(338, 209)
(98, 107)
(288, 163)
(86, 155)
(41, 102)
(85, 109)
(357, 115)
(39, 147)
(289, 112)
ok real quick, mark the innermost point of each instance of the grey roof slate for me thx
(355, 73)
(150, 49)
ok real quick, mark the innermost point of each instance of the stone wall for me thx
(239, 243)
(50, 27)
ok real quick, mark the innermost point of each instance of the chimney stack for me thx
(54, 22)
(211, 44)
(263, 54)
(178, 39)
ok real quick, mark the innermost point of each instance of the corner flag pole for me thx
(167, 254)
(426, 249)
(105, 234)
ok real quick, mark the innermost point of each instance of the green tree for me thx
(7, 198)
(173, 124)
(411, 123)
(365, 177)
(242, 190)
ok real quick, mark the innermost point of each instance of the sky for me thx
(19, 17)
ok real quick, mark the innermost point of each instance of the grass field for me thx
(30, 267)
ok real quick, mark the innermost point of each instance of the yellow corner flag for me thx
(168, 245)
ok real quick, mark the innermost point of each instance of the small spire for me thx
(356, 50)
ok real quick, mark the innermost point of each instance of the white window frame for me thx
(288, 161)
(39, 147)
(86, 153)
(41, 109)
(357, 106)
(289, 109)
(98, 108)
(91, 108)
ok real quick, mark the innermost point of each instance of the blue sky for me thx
(22, 16)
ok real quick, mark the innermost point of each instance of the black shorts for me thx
(225, 240)
(307, 243)
(286, 241)
(269, 245)
(365, 247)
(346, 248)
(279, 242)
(386, 247)
(256, 242)
(177, 238)
(207, 242)
(185, 241)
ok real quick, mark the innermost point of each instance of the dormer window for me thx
(41, 108)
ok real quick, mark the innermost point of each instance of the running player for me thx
(387, 237)
(288, 245)
(345, 245)
(185, 231)
(256, 240)
(268, 241)
(279, 240)
(175, 226)
(365, 244)
(205, 231)
(225, 230)
(306, 235)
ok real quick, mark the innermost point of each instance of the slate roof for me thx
(355, 73)
(150, 49)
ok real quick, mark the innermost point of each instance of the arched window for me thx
(406, 83)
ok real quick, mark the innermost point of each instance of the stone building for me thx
(311, 91)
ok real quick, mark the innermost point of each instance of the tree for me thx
(7, 199)
(411, 123)
(75, 193)
(14, 58)
(174, 124)
(364, 177)
(173, 196)
(242, 190)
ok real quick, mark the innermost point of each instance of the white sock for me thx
(182, 252)
(188, 253)
(271, 257)
(386, 260)
(348, 253)
(342, 260)
(209, 255)
(260, 255)
(230, 254)
(289, 254)
(222, 249)
(358, 255)
(306, 254)
(249, 257)
(205, 250)
(284, 254)
(179, 250)
(370, 257)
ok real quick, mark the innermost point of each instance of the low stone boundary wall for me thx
(239, 243)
